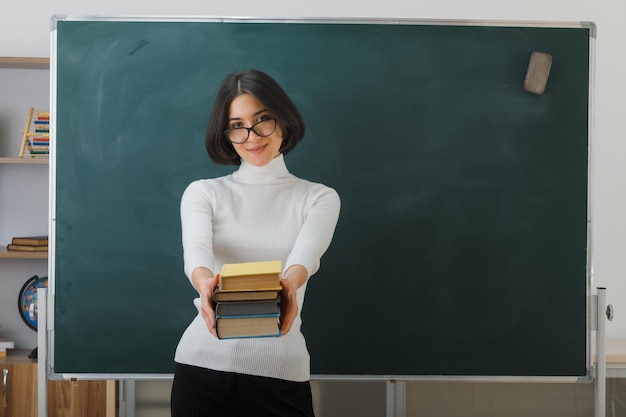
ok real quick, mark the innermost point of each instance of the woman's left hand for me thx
(288, 305)
(295, 277)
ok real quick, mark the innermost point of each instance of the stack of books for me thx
(29, 243)
(247, 300)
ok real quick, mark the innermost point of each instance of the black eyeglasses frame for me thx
(249, 129)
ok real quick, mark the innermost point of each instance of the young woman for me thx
(261, 212)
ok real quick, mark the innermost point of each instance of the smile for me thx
(256, 149)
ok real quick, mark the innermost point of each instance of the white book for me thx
(6, 343)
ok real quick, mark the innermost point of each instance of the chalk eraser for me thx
(537, 73)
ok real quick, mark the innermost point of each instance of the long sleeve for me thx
(196, 212)
(316, 233)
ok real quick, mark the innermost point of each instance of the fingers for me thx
(288, 307)
(208, 311)
(209, 318)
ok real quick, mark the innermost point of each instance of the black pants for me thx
(199, 392)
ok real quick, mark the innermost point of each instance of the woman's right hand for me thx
(205, 283)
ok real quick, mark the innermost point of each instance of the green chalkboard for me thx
(462, 243)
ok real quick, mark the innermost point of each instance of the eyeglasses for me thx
(241, 135)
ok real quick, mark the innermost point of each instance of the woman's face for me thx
(245, 111)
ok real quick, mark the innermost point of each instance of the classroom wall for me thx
(25, 31)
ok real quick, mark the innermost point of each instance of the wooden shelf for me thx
(64, 398)
(16, 160)
(24, 63)
(13, 254)
(17, 356)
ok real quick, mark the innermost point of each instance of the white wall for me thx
(25, 31)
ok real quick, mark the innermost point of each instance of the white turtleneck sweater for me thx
(255, 214)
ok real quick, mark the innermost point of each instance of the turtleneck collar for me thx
(269, 173)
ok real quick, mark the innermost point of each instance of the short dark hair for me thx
(265, 89)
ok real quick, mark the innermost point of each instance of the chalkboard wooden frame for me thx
(95, 241)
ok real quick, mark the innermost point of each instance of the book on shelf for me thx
(27, 248)
(4, 345)
(30, 240)
(250, 276)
